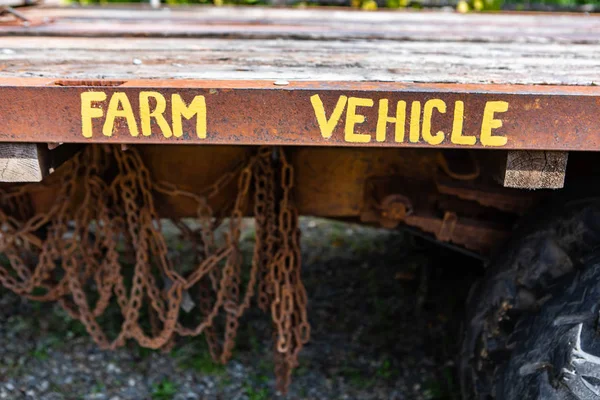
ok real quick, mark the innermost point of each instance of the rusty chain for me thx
(104, 218)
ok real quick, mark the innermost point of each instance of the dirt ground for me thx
(385, 309)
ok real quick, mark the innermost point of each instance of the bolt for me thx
(394, 209)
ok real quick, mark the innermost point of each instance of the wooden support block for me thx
(535, 169)
(23, 162)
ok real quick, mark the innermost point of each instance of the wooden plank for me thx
(22, 162)
(536, 169)
(361, 60)
(313, 23)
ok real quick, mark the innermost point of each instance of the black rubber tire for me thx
(533, 320)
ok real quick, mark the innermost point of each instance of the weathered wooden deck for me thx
(323, 45)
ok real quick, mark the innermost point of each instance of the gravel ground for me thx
(385, 310)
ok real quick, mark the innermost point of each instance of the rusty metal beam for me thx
(288, 113)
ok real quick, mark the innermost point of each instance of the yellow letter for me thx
(415, 121)
(326, 126)
(427, 114)
(119, 99)
(88, 112)
(457, 126)
(383, 119)
(352, 118)
(180, 109)
(490, 123)
(157, 113)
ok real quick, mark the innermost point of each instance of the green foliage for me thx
(396, 3)
(519, 4)
(464, 6)
(302, 369)
(256, 393)
(40, 354)
(369, 5)
(98, 388)
(443, 389)
(165, 390)
(197, 358)
(204, 364)
(385, 370)
(265, 365)
(144, 352)
(256, 388)
(356, 377)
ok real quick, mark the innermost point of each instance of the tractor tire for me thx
(533, 321)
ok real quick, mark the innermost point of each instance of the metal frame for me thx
(282, 113)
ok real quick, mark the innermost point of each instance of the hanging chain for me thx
(105, 213)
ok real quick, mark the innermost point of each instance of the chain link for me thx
(105, 217)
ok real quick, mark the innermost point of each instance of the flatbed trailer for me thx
(450, 125)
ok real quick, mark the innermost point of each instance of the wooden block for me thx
(23, 162)
(538, 169)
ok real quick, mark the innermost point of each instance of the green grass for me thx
(357, 378)
(256, 393)
(204, 364)
(40, 354)
(144, 352)
(444, 388)
(256, 388)
(98, 388)
(385, 370)
(165, 390)
(302, 369)
(197, 357)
